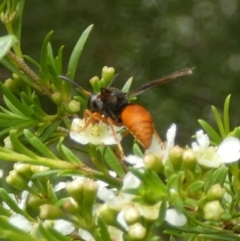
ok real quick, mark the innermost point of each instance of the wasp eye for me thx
(94, 103)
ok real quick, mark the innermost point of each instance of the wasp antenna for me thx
(114, 79)
(73, 83)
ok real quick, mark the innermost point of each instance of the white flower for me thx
(109, 196)
(20, 222)
(64, 227)
(97, 134)
(136, 161)
(175, 218)
(85, 235)
(229, 150)
(208, 156)
(158, 147)
(20, 200)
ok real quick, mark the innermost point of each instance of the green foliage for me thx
(86, 185)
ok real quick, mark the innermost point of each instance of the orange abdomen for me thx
(139, 123)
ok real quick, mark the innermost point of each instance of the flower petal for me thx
(202, 139)
(79, 137)
(63, 226)
(135, 160)
(20, 222)
(175, 218)
(229, 150)
(171, 133)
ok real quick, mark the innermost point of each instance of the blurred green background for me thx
(148, 39)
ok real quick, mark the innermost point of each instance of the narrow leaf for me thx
(58, 60)
(44, 56)
(68, 154)
(6, 43)
(18, 146)
(11, 203)
(226, 114)
(10, 232)
(127, 85)
(214, 136)
(112, 161)
(14, 104)
(76, 53)
(38, 145)
(103, 230)
(218, 121)
(18, 19)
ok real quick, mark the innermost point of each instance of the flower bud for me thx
(75, 190)
(89, 190)
(57, 98)
(73, 106)
(71, 206)
(215, 192)
(36, 169)
(48, 211)
(107, 74)
(108, 214)
(131, 214)
(213, 210)
(35, 202)
(23, 169)
(16, 77)
(175, 157)
(137, 232)
(153, 162)
(16, 180)
(7, 143)
(189, 159)
(95, 83)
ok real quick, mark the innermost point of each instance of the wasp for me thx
(112, 106)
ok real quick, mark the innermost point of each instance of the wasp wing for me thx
(62, 77)
(162, 80)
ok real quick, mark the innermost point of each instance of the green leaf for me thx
(54, 233)
(194, 187)
(226, 114)
(127, 85)
(214, 136)
(14, 104)
(112, 161)
(162, 213)
(9, 65)
(6, 43)
(11, 203)
(18, 19)
(103, 230)
(67, 154)
(44, 57)
(44, 174)
(46, 234)
(218, 121)
(32, 61)
(76, 53)
(48, 130)
(38, 145)
(58, 60)
(137, 150)
(11, 232)
(18, 146)
(217, 176)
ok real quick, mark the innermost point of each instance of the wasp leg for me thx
(96, 117)
(110, 122)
